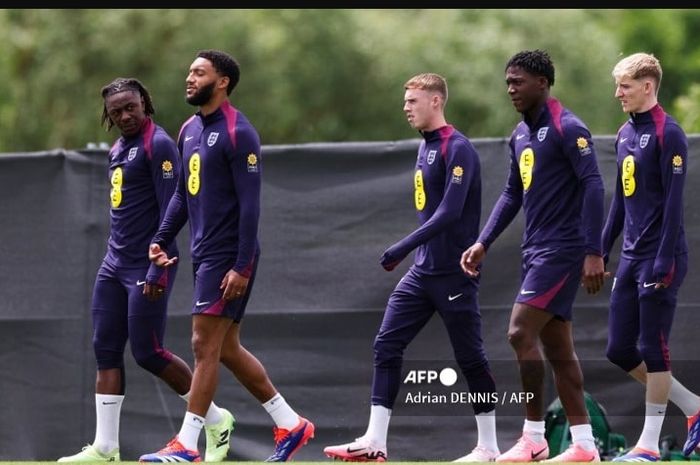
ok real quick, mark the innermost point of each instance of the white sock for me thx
(688, 402)
(534, 430)
(282, 414)
(486, 427)
(107, 408)
(213, 416)
(653, 420)
(189, 431)
(378, 426)
(582, 435)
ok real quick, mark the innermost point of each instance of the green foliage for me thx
(326, 74)
(670, 36)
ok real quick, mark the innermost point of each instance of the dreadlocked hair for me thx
(124, 85)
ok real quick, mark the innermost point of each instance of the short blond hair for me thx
(638, 66)
(430, 82)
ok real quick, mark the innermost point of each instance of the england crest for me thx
(212, 138)
(431, 156)
(644, 140)
(132, 153)
(542, 133)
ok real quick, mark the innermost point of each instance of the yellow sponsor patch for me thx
(252, 163)
(457, 173)
(167, 168)
(115, 195)
(527, 165)
(583, 147)
(629, 184)
(677, 164)
(419, 194)
(193, 182)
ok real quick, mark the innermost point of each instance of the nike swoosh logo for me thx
(188, 138)
(649, 284)
(352, 451)
(535, 454)
(519, 136)
(108, 403)
(623, 139)
(453, 297)
(140, 283)
(199, 304)
(524, 292)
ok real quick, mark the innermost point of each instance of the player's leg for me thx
(686, 400)
(558, 343)
(147, 324)
(207, 337)
(564, 271)
(623, 334)
(209, 327)
(408, 310)
(550, 279)
(110, 332)
(456, 299)
(526, 323)
(291, 431)
(656, 310)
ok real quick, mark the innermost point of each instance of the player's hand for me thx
(159, 256)
(662, 282)
(471, 259)
(153, 291)
(234, 285)
(389, 261)
(593, 273)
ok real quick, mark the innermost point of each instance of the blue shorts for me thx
(208, 296)
(550, 279)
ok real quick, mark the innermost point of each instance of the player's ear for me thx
(223, 83)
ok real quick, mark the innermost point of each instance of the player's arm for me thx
(165, 167)
(616, 215)
(502, 214)
(174, 219)
(673, 164)
(245, 168)
(507, 206)
(461, 168)
(615, 220)
(579, 149)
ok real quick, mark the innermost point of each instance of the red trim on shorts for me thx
(543, 301)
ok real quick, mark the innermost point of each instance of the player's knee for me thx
(656, 357)
(152, 362)
(204, 349)
(108, 359)
(627, 359)
(519, 338)
(387, 353)
(473, 367)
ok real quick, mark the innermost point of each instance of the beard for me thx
(202, 96)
